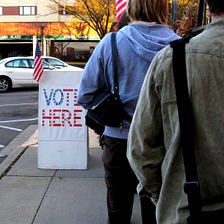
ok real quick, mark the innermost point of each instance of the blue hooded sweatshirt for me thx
(137, 45)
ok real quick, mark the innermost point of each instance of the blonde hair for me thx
(148, 10)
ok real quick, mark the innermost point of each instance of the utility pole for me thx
(201, 12)
(174, 14)
(42, 38)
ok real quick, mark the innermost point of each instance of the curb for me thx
(16, 148)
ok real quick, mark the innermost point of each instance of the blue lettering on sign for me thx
(56, 95)
(48, 99)
(61, 97)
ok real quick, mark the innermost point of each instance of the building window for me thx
(62, 12)
(27, 10)
(0, 10)
(65, 11)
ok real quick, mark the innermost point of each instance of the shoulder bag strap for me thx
(115, 67)
(114, 61)
(191, 186)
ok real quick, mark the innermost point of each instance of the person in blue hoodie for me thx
(137, 45)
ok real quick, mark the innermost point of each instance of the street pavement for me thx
(30, 195)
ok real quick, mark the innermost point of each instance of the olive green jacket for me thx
(154, 149)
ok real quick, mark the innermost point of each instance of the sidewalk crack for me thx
(42, 199)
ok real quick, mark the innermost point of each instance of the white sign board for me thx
(62, 134)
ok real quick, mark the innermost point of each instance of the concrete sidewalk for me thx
(30, 195)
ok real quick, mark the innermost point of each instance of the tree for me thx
(188, 20)
(97, 14)
(186, 15)
(100, 14)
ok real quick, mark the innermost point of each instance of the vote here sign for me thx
(62, 134)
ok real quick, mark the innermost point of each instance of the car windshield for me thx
(55, 62)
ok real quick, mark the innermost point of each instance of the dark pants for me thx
(120, 180)
(208, 217)
(148, 209)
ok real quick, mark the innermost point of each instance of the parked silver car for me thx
(18, 72)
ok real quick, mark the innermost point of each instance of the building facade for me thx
(22, 23)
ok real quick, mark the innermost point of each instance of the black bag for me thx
(192, 184)
(107, 108)
(97, 127)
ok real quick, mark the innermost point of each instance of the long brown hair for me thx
(148, 10)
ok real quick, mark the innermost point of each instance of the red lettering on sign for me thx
(66, 117)
(61, 118)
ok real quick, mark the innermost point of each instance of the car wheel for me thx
(5, 84)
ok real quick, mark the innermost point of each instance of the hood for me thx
(147, 39)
